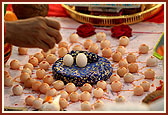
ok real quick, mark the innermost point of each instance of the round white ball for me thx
(145, 85)
(29, 65)
(100, 36)
(33, 60)
(27, 70)
(114, 77)
(48, 79)
(149, 74)
(152, 62)
(87, 43)
(44, 88)
(107, 52)
(8, 81)
(74, 97)
(121, 49)
(105, 44)
(128, 77)
(101, 84)
(138, 90)
(85, 96)
(70, 87)
(98, 92)
(17, 90)
(62, 52)
(44, 65)
(51, 92)
(58, 84)
(131, 58)
(86, 87)
(36, 85)
(94, 48)
(123, 41)
(120, 99)
(24, 76)
(37, 103)
(85, 106)
(29, 100)
(116, 86)
(98, 104)
(73, 38)
(81, 60)
(51, 58)
(121, 71)
(63, 44)
(40, 73)
(143, 49)
(63, 103)
(14, 64)
(39, 56)
(123, 63)
(68, 60)
(63, 94)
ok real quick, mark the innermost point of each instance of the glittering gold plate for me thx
(113, 20)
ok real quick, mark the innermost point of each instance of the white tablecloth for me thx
(143, 32)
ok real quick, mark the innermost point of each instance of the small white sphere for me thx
(131, 58)
(63, 94)
(63, 44)
(81, 60)
(37, 103)
(27, 70)
(53, 50)
(51, 58)
(29, 100)
(128, 77)
(86, 87)
(36, 85)
(133, 68)
(63, 103)
(117, 56)
(145, 85)
(143, 49)
(120, 99)
(86, 106)
(33, 60)
(70, 87)
(100, 36)
(24, 76)
(121, 49)
(149, 74)
(8, 81)
(68, 60)
(114, 77)
(22, 51)
(51, 92)
(40, 73)
(123, 63)
(123, 41)
(116, 86)
(39, 56)
(85, 96)
(138, 90)
(58, 84)
(62, 52)
(48, 79)
(121, 71)
(46, 53)
(77, 48)
(28, 83)
(94, 48)
(105, 44)
(107, 52)
(17, 90)
(74, 97)
(98, 92)
(87, 43)
(29, 65)
(44, 65)
(44, 88)
(73, 38)
(151, 61)
(98, 104)
(14, 64)
(102, 84)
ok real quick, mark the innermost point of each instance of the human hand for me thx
(37, 32)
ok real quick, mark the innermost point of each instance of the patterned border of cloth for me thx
(97, 68)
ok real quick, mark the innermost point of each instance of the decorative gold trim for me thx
(112, 20)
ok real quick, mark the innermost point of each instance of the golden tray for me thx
(113, 20)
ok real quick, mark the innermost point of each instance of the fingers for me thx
(54, 33)
(52, 23)
(43, 46)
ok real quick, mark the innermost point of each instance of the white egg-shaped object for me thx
(81, 60)
(68, 60)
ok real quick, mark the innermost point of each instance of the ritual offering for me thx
(22, 51)
(92, 65)
(14, 64)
